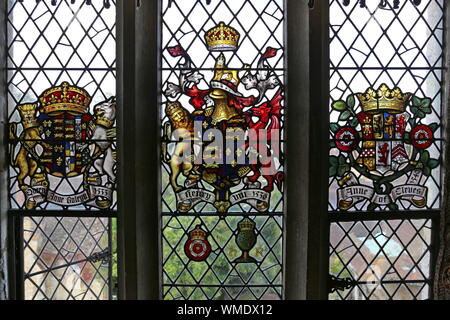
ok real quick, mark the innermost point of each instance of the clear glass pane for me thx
(67, 258)
(382, 259)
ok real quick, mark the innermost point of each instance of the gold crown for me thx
(246, 224)
(28, 112)
(197, 233)
(383, 99)
(65, 98)
(222, 38)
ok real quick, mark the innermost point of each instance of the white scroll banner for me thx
(258, 199)
(187, 199)
(35, 194)
(40, 194)
(417, 195)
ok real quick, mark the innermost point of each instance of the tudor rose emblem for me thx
(197, 247)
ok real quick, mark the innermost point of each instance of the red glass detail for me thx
(421, 136)
(347, 139)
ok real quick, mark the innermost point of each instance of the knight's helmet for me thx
(224, 80)
(28, 114)
(383, 118)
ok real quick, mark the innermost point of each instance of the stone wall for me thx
(2, 280)
(442, 274)
(3, 270)
(442, 278)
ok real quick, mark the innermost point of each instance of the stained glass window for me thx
(222, 169)
(386, 82)
(62, 145)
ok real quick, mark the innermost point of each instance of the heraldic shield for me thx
(65, 120)
(58, 141)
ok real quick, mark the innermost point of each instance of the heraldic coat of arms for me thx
(236, 134)
(59, 139)
(382, 151)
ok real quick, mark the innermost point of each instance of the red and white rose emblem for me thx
(421, 137)
(347, 139)
(197, 247)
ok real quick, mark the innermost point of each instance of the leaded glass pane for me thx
(61, 105)
(222, 68)
(382, 259)
(62, 146)
(67, 258)
(386, 85)
(386, 76)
